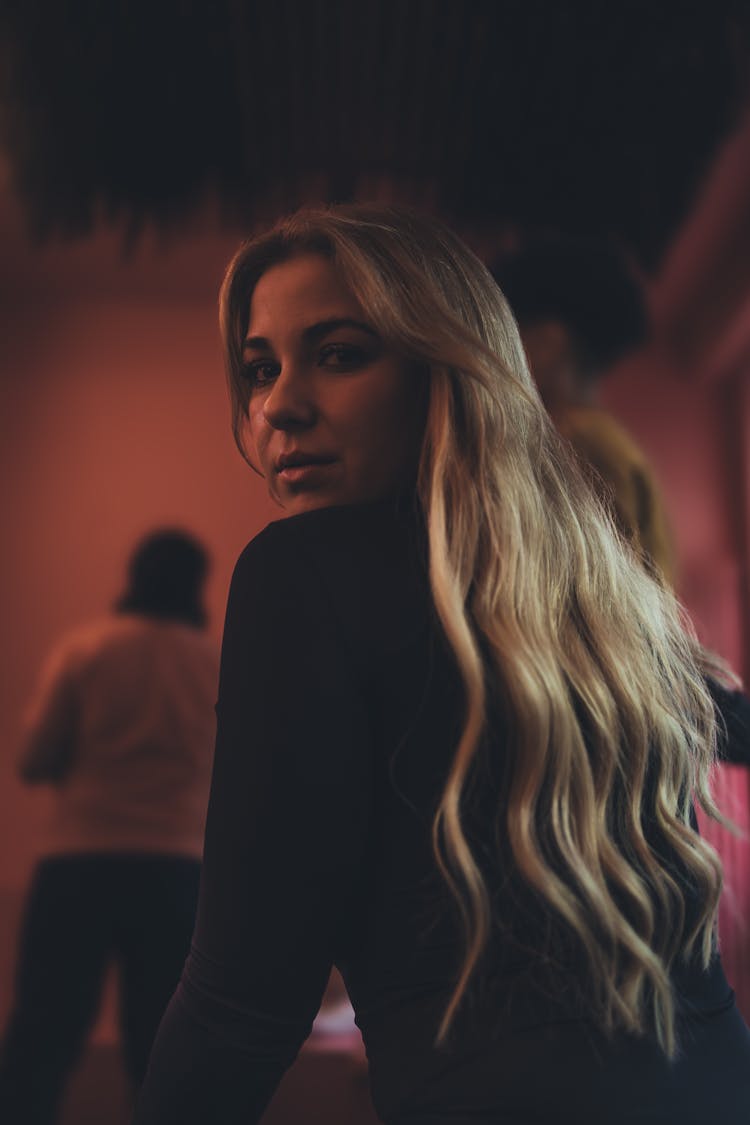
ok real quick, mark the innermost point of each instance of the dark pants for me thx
(82, 913)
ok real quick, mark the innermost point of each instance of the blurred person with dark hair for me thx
(580, 309)
(122, 727)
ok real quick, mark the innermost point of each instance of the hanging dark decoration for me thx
(581, 115)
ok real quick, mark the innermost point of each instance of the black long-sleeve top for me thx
(733, 712)
(338, 714)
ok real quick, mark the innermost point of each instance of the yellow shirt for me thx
(627, 478)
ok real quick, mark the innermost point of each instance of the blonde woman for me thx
(460, 730)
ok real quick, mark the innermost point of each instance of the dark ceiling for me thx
(591, 116)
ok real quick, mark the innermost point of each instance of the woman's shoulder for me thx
(370, 530)
(365, 561)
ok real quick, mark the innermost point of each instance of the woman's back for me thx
(346, 825)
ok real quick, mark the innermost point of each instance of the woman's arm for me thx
(733, 714)
(50, 725)
(287, 821)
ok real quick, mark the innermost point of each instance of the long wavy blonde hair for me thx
(543, 605)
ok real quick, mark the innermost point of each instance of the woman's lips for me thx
(299, 472)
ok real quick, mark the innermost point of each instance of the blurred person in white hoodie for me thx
(122, 728)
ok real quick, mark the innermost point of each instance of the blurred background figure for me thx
(122, 727)
(580, 309)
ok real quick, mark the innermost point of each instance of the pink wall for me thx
(690, 431)
(116, 420)
(696, 432)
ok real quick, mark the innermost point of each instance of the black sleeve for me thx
(733, 715)
(287, 822)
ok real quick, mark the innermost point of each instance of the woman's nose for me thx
(290, 402)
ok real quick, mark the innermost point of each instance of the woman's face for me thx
(335, 416)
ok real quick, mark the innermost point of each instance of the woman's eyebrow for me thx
(314, 332)
(256, 344)
(323, 327)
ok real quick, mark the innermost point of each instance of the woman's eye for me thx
(260, 372)
(343, 356)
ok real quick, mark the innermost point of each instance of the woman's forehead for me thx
(291, 292)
